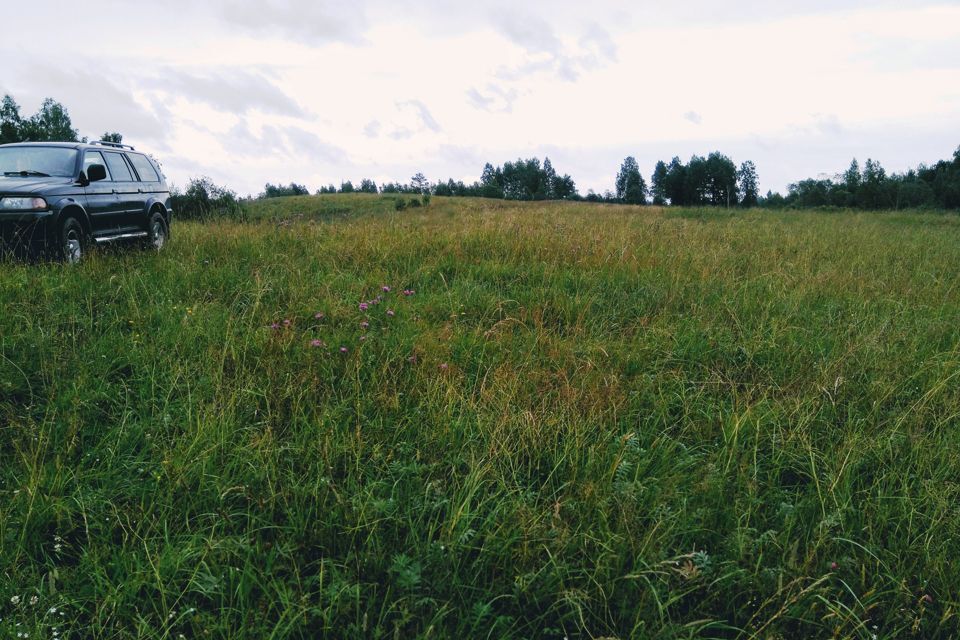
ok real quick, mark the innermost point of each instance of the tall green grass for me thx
(587, 421)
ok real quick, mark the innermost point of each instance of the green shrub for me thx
(399, 204)
(414, 202)
(205, 200)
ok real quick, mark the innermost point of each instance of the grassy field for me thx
(579, 421)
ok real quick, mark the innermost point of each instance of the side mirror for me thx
(96, 172)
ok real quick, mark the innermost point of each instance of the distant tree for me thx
(279, 190)
(346, 187)
(658, 184)
(50, 124)
(630, 187)
(773, 200)
(695, 182)
(564, 188)
(870, 195)
(809, 193)
(368, 186)
(420, 183)
(11, 123)
(851, 177)
(676, 182)
(547, 190)
(491, 182)
(112, 137)
(721, 180)
(747, 177)
(523, 179)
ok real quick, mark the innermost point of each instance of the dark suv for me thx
(58, 197)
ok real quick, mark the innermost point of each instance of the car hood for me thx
(31, 184)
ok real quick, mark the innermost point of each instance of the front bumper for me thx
(24, 232)
(24, 216)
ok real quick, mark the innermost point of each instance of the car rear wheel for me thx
(72, 241)
(157, 232)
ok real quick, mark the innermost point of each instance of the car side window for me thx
(143, 167)
(118, 167)
(94, 157)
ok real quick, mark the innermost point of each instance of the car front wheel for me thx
(72, 241)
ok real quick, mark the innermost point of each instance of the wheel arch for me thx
(71, 208)
(155, 204)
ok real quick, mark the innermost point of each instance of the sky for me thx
(317, 92)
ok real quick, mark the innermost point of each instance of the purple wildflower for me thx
(363, 338)
(386, 289)
(391, 312)
(344, 350)
(408, 292)
(316, 343)
(319, 315)
(287, 323)
(274, 325)
(364, 306)
(444, 366)
(364, 324)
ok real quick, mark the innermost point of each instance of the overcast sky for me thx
(318, 92)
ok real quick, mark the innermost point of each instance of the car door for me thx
(102, 199)
(129, 214)
(149, 178)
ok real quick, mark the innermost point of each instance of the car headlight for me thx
(22, 204)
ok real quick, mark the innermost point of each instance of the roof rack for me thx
(113, 144)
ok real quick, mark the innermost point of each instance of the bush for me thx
(204, 200)
(426, 199)
(279, 190)
(414, 202)
(399, 204)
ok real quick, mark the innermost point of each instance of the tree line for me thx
(51, 123)
(871, 188)
(714, 180)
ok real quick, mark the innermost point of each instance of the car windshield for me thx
(51, 161)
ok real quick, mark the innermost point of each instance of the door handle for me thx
(139, 190)
(114, 191)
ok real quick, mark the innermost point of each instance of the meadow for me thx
(484, 419)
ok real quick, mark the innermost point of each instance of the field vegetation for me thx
(487, 419)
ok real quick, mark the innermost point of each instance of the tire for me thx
(157, 232)
(71, 241)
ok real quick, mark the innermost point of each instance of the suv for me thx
(59, 197)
